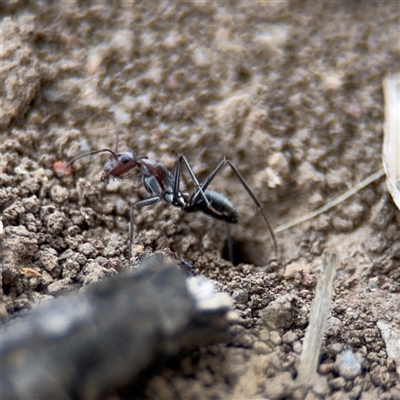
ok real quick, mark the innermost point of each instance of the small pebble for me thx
(348, 365)
(289, 337)
(321, 386)
(59, 194)
(241, 296)
(337, 383)
(335, 348)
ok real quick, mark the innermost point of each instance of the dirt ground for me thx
(290, 92)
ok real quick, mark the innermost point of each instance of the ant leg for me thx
(177, 176)
(203, 186)
(153, 189)
(255, 200)
(176, 172)
(146, 202)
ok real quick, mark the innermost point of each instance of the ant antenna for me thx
(90, 154)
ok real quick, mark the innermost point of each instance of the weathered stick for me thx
(86, 343)
(333, 203)
(318, 317)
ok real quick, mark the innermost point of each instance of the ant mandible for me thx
(160, 183)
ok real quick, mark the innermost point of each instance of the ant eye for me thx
(125, 159)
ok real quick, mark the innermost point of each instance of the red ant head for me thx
(118, 165)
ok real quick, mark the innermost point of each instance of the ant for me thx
(160, 183)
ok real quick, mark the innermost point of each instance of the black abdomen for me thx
(221, 207)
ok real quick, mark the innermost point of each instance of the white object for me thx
(391, 142)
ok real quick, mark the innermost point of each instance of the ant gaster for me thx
(160, 183)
